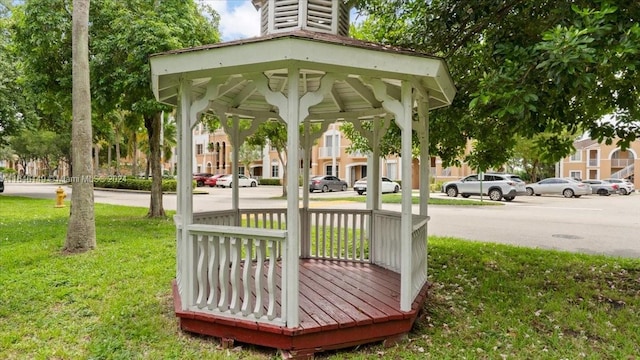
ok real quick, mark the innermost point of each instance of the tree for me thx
(136, 30)
(81, 231)
(521, 68)
(249, 153)
(274, 134)
(123, 36)
(529, 156)
(14, 109)
(169, 137)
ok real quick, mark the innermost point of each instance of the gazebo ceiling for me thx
(233, 66)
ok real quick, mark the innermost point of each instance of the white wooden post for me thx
(290, 286)
(425, 156)
(306, 101)
(235, 157)
(423, 134)
(184, 216)
(305, 226)
(406, 222)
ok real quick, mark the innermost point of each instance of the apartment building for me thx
(594, 160)
(329, 156)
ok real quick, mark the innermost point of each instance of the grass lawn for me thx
(488, 301)
(397, 199)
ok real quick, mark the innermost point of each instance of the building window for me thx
(241, 170)
(199, 149)
(575, 174)
(329, 170)
(275, 171)
(392, 170)
(575, 157)
(332, 144)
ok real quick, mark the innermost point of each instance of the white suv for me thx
(625, 187)
(496, 186)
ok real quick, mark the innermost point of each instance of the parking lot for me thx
(591, 224)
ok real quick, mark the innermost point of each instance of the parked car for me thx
(388, 186)
(227, 181)
(602, 188)
(199, 178)
(326, 183)
(496, 186)
(211, 181)
(559, 186)
(1, 183)
(625, 187)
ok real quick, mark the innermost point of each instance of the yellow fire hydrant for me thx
(60, 195)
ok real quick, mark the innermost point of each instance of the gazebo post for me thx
(406, 222)
(290, 286)
(184, 214)
(373, 178)
(305, 226)
(422, 127)
(235, 157)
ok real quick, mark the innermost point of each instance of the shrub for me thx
(131, 183)
(270, 182)
(436, 186)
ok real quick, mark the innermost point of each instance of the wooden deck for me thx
(342, 304)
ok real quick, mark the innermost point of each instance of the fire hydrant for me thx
(60, 195)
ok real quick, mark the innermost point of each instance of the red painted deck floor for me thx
(342, 304)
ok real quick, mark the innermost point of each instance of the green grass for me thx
(488, 301)
(397, 199)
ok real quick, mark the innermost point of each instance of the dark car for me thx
(1, 183)
(199, 178)
(326, 183)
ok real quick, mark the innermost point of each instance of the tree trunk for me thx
(109, 172)
(154, 127)
(118, 156)
(96, 159)
(81, 231)
(134, 156)
(284, 173)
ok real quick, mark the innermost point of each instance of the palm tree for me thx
(169, 137)
(81, 230)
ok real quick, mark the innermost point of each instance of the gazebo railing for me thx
(235, 252)
(337, 234)
(230, 264)
(329, 234)
(419, 254)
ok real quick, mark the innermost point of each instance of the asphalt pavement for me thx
(608, 225)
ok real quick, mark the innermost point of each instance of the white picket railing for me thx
(329, 234)
(338, 234)
(419, 254)
(232, 263)
(232, 253)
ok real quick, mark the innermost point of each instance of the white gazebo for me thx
(302, 279)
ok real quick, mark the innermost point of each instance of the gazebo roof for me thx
(232, 65)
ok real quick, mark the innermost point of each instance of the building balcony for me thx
(620, 163)
(328, 152)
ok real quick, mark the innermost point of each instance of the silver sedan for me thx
(559, 186)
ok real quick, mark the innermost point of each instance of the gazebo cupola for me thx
(326, 16)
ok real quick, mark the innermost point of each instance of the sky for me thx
(239, 19)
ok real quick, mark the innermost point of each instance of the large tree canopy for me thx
(521, 68)
(14, 109)
(123, 33)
